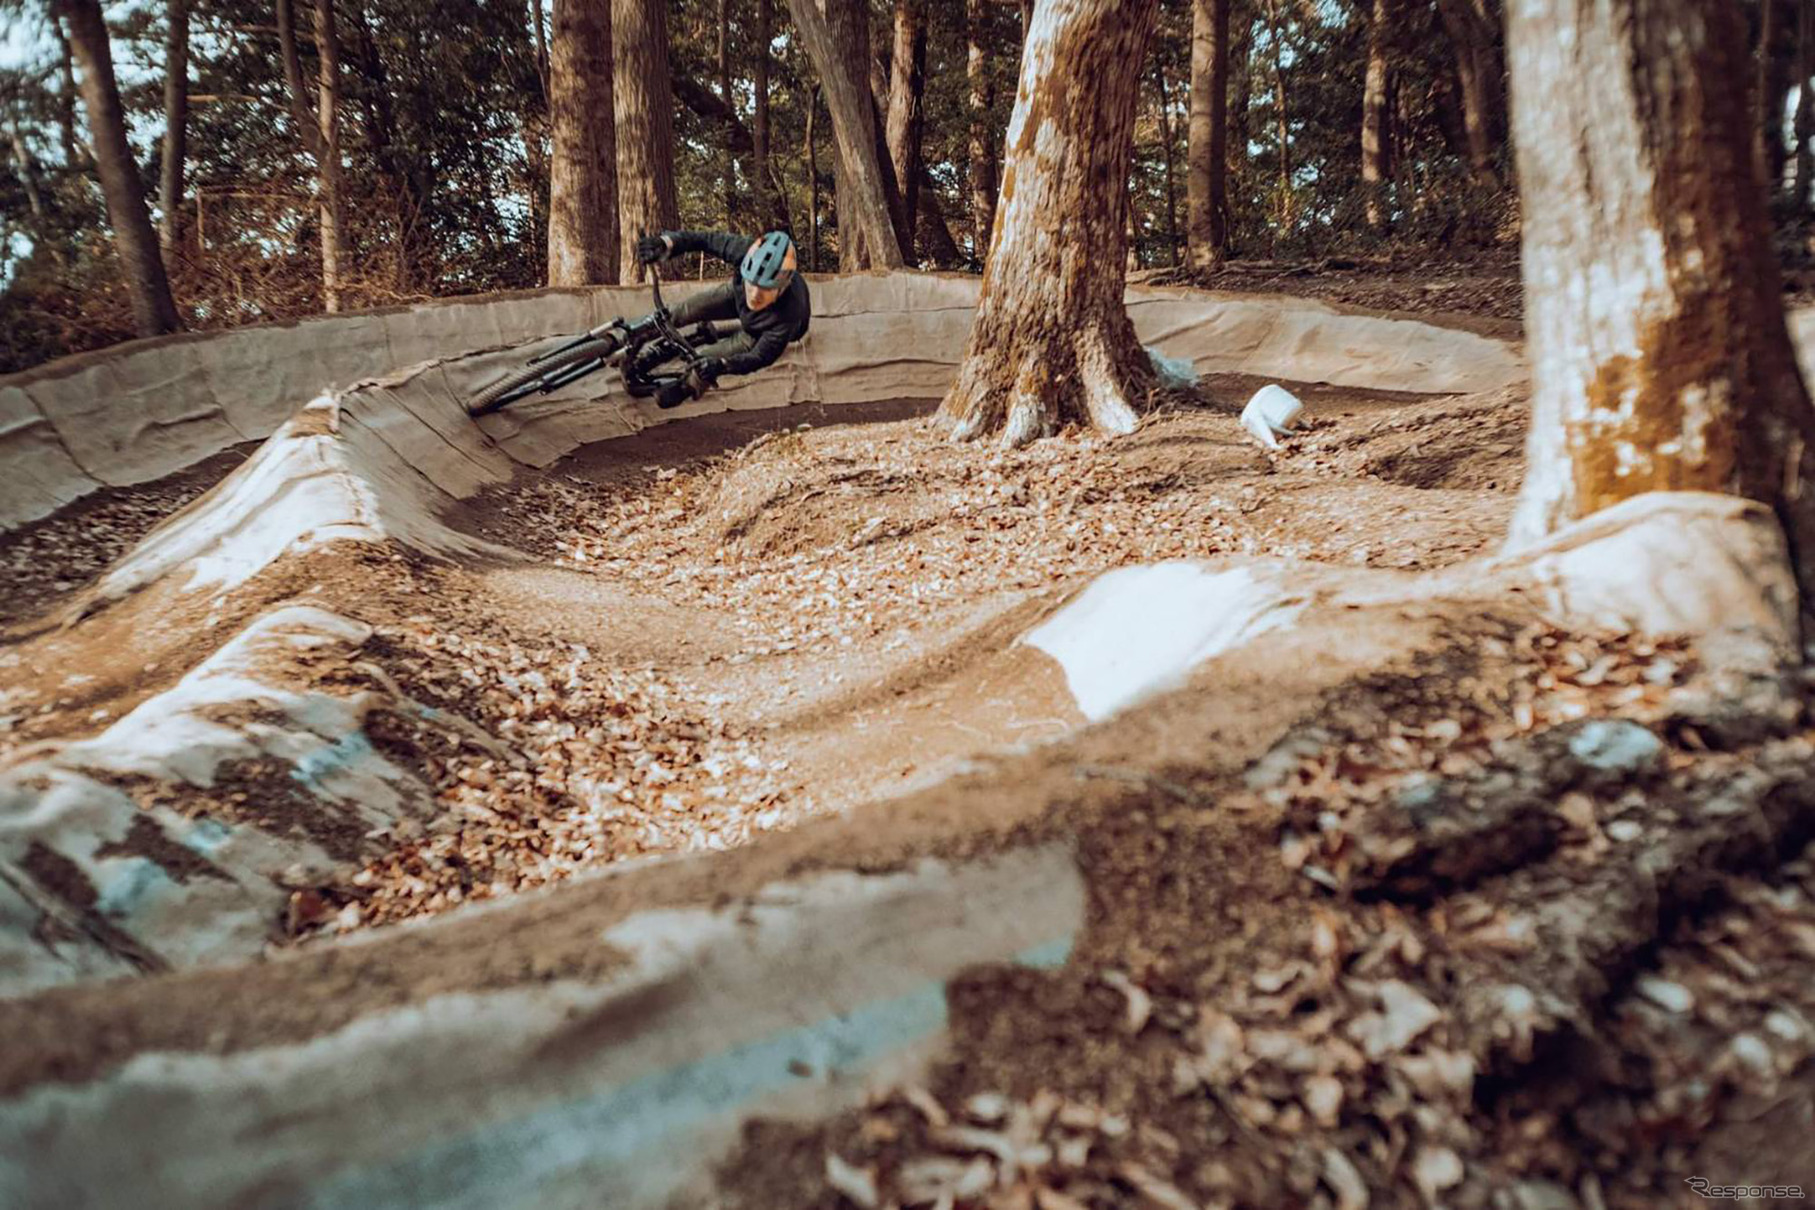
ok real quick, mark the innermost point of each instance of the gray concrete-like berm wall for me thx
(147, 409)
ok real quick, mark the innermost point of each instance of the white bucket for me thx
(1269, 415)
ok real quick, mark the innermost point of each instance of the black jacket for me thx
(776, 326)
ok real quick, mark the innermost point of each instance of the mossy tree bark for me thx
(1654, 316)
(1052, 341)
(644, 101)
(583, 172)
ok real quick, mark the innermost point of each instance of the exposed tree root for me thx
(1082, 377)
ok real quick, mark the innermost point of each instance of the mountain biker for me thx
(765, 295)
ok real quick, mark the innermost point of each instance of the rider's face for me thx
(759, 298)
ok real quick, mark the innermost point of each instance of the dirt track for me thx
(735, 627)
(783, 623)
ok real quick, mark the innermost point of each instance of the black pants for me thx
(715, 306)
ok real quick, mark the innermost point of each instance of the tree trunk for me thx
(541, 30)
(982, 145)
(1052, 341)
(327, 50)
(885, 166)
(827, 37)
(813, 180)
(153, 310)
(1804, 125)
(301, 112)
(66, 95)
(1159, 75)
(759, 126)
(1281, 115)
(176, 123)
(729, 167)
(935, 232)
(583, 174)
(1478, 68)
(1374, 117)
(1776, 55)
(1241, 90)
(1654, 315)
(907, 82)
(645, 117)
(34, 198)
(1206, 153)
(381, 143)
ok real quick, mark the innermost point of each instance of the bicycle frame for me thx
(627, 336)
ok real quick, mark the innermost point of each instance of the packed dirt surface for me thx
(730, 626)
(734, 627)
(1526, 924)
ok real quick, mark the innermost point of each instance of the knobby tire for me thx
(507, 389)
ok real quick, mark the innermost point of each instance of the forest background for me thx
(1355, 133)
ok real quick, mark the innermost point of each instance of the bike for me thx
(634, 347)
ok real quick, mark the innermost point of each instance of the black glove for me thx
(650, 249)
(709, 368)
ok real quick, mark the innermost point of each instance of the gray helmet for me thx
(765, 265)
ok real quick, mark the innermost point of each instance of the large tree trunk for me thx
(1206, 153)
(982, 144)
(176, 122)
(1374, 116)
(907, 81)
(1052, 341)
(842, 69)
(645, 117)
(327, 50)
(1476, 41)
(582, 188)
(153, 310)
(1654, 318)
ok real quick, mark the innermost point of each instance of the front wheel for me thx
(518, 383)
